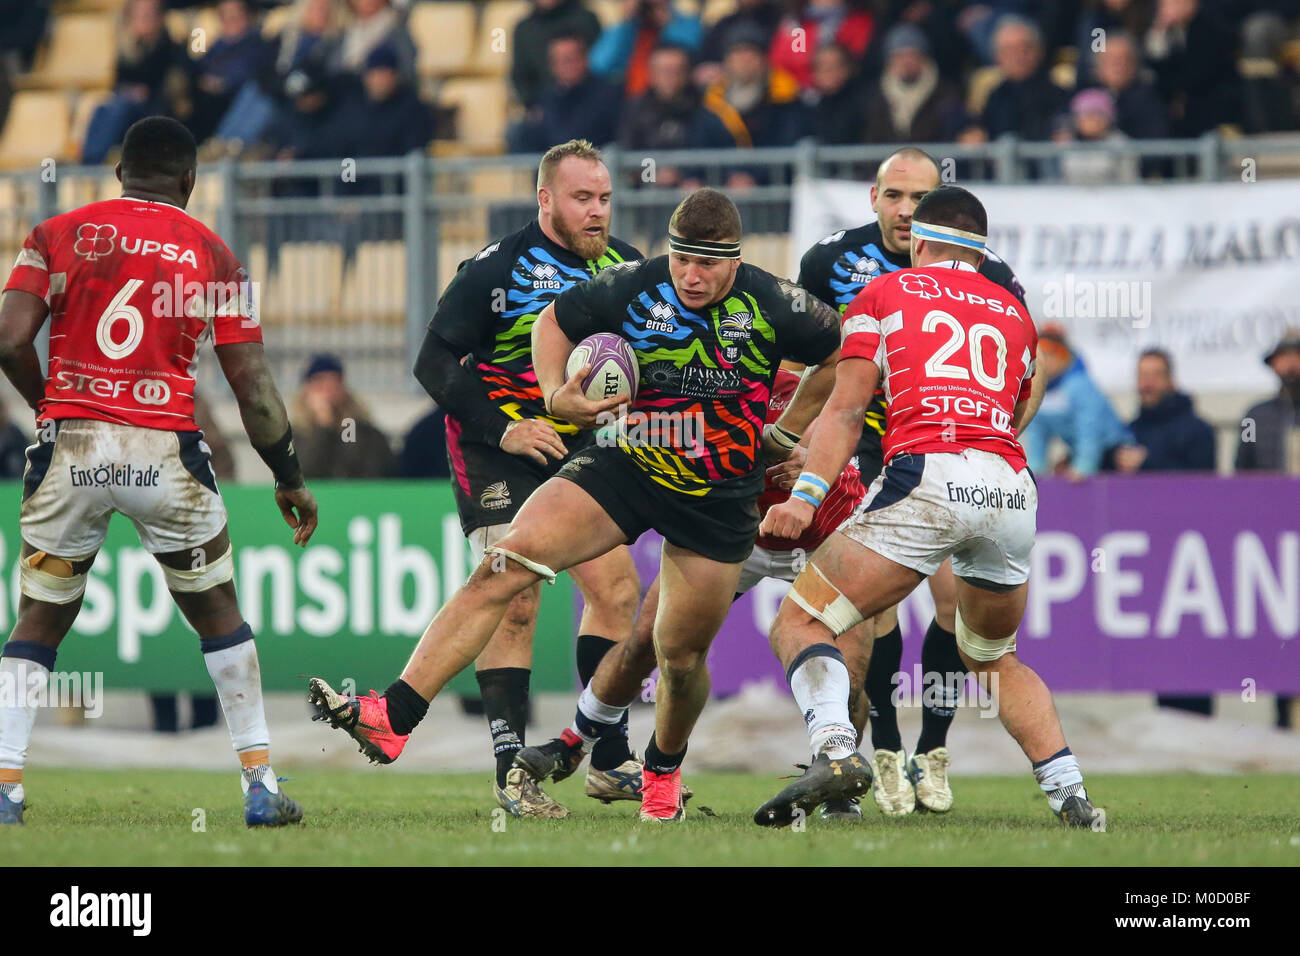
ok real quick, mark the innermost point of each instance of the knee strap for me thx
(981, 648)
(814, 593)
(538, 569)
(201, 579)
(44, 577)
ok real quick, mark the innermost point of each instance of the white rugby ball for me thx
(614, 368)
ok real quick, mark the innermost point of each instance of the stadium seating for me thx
(37, 128)
(80, 54)
(496, 36)
(480, 104)
(306, 287)
(444, 34)
(374, 286)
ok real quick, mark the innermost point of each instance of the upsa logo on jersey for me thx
(93, 241)
(924, 286)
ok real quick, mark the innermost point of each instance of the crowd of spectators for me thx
(340, 77)
(843, 72)
(338, 80)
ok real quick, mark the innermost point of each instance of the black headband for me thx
(704, 247)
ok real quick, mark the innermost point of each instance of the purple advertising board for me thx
(1143, 583)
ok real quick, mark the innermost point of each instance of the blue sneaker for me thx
(262, 808)
(11, 811)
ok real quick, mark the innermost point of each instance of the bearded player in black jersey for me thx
(476, 361)
(835, 270)
(709, 333)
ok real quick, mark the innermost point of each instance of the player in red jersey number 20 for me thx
(956, 356)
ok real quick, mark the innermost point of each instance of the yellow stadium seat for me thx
(277, 19)
(715, 10)
(374, 288)
(450, 256)
(87, 103)
(496, 34)
(608, 12)
(37, 128)
(178, 25)
(480, 111)
(444, 36)
(81, 54)
(770, 251)
(206, 28)
(306, 285)
(982, 83)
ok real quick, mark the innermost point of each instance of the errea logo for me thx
(544, 276)
(832, 238)
(488, 251)
(864, 270)
(661, 318)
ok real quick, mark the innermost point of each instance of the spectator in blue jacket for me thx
(1170, 434)
(1075, 411)
(233, 59)
(622, 54)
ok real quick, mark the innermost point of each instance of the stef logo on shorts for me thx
(152, 391)
(927, 287)
(94, 242)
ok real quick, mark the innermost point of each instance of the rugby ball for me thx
(614, 368)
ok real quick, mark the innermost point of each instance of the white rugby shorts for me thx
(161, 480)
(973, 507)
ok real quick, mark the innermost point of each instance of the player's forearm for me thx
(1025, 411)
(815, 388)
(22, 366)
(456, 390)
(833, 444)
(551, 349)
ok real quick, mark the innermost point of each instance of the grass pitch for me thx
(145, 818)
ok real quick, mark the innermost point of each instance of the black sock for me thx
(656, 761)
(886, 654)
(939, 657)
(611, 749)
(591, 650)
(505, 704)
(406, 708)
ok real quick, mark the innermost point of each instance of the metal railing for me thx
(350, 256)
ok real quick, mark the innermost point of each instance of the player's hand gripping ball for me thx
(603, 374)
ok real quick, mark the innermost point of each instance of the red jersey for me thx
(956, 354)
(840, 501)
(133, 287)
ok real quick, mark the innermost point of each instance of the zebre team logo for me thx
(94, 242)
(495, 496)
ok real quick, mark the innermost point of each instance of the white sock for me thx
(238, 680)
(592, 710)
(261, 773)
(1060, 778)
(22, 685)
(820, 682)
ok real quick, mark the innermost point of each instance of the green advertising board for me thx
(352, 604)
